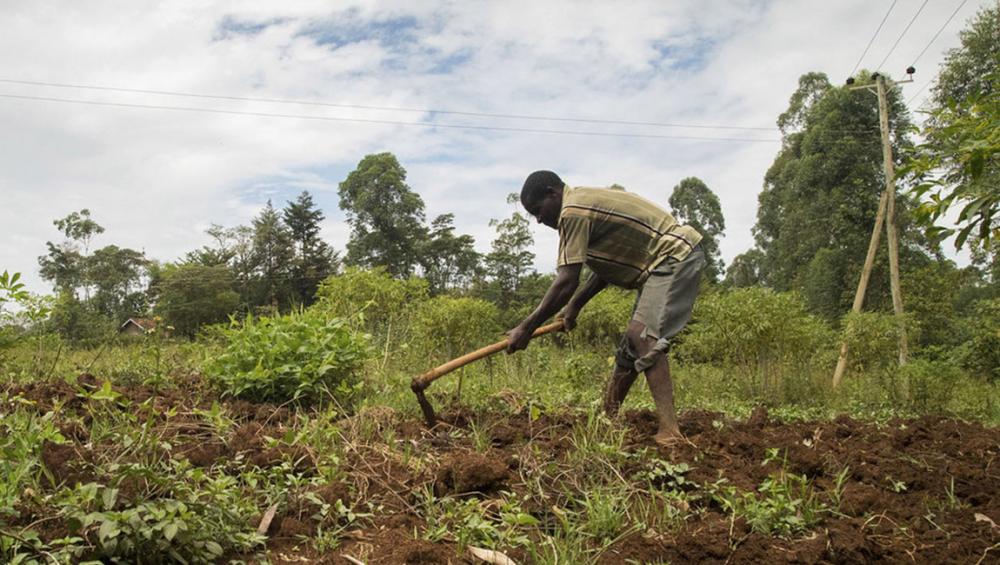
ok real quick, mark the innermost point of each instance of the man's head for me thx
(541, 197)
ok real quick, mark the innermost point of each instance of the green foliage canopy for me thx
(694, 204)
(191, 295)
(314, 259)
(385, 215)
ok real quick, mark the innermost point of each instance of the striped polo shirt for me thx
(621, 236)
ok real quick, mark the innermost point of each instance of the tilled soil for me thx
(921, 490)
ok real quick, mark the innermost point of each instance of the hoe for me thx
(421, 383)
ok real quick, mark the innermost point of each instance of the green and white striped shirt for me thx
(621, 236)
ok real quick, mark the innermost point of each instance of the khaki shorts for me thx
(664, 307)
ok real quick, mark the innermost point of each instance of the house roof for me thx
(145, 324)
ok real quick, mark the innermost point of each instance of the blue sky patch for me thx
(231, 26)
(343, 30)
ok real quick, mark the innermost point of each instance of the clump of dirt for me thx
(67, 463)
(468, 473)
(397, 545)
(46, 395)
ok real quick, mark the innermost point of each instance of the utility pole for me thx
(892, 233)
(886, 209)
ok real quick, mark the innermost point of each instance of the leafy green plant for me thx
(188, 526)
(381, 300)
(303, 357)
(873, 340)
(785, 504)
(767, 335)
(603, 320)
(666, 475)
(22, 435)
(472, 522)
(452, 325)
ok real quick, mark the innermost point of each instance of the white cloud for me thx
(157, 178)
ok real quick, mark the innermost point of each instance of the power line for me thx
(384, 122)
(381, 108)
(929, 43)
(944, 25)
(874, 35)
(898, 39)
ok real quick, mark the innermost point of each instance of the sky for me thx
(198, 113)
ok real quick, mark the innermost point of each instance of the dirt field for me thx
(906, 491)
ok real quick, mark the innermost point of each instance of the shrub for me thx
(982, 353)
(603, 320)
(931, 383)
(299, 357)
(451, 326)
(753, 327)
(872, 339)
(372, 297)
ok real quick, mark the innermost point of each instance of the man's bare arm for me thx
(590, 289)
(558, 295)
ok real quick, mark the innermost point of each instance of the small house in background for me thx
(137, 326)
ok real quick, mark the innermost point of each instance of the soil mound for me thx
(470, 473)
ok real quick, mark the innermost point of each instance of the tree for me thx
(65, 265)
(62, 266)
(694, 204)
(385, 215)
(448, 261)
(969, 71)
(79, 227)
(273, 255)
(314, 258)
(208, 256)
(959, 165)
(959, 162)
(509, 261)
(117, 274)
(822, 193)
(745, 270)
(191, 295)
(114, 274)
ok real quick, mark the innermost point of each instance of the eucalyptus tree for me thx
(821, 194)
(448, 261)
(694, 204)
(386, 216)
(509, 259)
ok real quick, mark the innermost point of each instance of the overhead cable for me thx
(872, 40)
(380, 108)
(385, 122)
(898, 39)
(944, 25)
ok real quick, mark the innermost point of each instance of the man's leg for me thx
(660, 384)
(621, 381)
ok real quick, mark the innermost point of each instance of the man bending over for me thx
(626, 241)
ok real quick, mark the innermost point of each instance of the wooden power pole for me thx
(886, 209)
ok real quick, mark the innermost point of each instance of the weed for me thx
(785, 504)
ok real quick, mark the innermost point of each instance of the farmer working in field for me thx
(629, 242)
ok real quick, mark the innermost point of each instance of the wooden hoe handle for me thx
(427, 378)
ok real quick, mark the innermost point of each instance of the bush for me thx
(301, 357)
(767, 336)
(931, 383)
(753, 327)
(982, 352)
(872, 339)
(371, 297)
(604, 319)
(451, 326)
